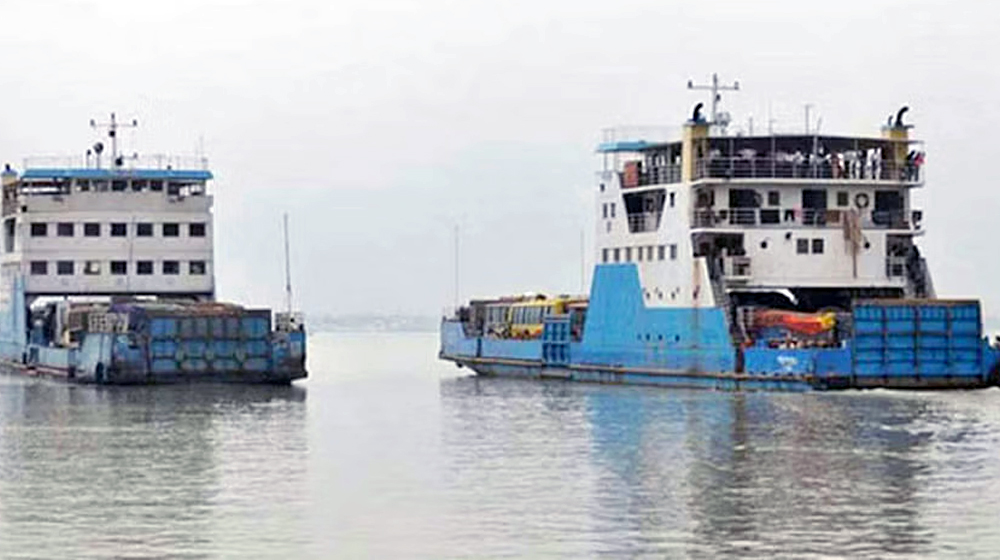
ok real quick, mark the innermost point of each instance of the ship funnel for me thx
(899, 116)
(696, 115)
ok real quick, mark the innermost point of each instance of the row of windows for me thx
(117, 268)
(118, 229)
(648, 253)
(803, 246)
(774, 198)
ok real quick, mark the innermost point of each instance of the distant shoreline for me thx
(372, 323)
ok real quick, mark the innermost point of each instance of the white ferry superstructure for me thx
(107, 276)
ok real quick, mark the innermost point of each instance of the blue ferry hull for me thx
(929, 345)
(162, 345)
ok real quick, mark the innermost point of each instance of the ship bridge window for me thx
(39, 229)
(196, 229)
(119, 268)
(196, 268)
(39, 268)
(64, 229)
(92, 268)
(118, 185)
(144, 229)
(139, 185)
(144, 268)
(171, 267)
(171, 230)
(64, 268)
(118, 230)
(92, 230)
(156, 185)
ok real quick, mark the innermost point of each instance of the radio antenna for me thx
(113, 125)
(715, 88)
(288, 269)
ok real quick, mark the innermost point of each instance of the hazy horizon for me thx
(381, 125)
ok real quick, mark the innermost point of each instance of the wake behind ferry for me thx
(729, 261)
(107, 276)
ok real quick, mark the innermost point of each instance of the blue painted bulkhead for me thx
(921, 339)
(621, 331)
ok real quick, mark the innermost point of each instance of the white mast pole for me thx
(288, 269)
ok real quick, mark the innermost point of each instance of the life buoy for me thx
(861, 200)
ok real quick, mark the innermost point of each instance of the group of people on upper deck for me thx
(849, 164)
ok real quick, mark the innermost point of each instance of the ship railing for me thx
(148, 161)
(895, 267)
(809, 217)
(736, 268)
(649, 134)
(644, 222)
(660, 175)
(289, 321)
(779, 168)
(644, 177)
(108, 322)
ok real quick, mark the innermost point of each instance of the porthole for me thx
(763, 244)
(677, 338)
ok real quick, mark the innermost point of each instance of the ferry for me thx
(730, 260)
(107, 276)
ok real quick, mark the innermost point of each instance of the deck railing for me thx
(644, 222)
(150, 161)
(736, 269)
(774, 168)
(786, 217)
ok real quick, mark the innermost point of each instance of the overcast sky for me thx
(380, 124)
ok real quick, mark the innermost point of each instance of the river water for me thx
(387, 453)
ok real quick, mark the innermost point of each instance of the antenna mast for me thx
(288, 270)
(456, 266)
(715, 88)
(113, 125)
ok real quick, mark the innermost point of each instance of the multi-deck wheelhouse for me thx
(801, 221)
(120, 231)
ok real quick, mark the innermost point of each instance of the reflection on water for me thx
(140, 471)
(394, 455)
(615, 471)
